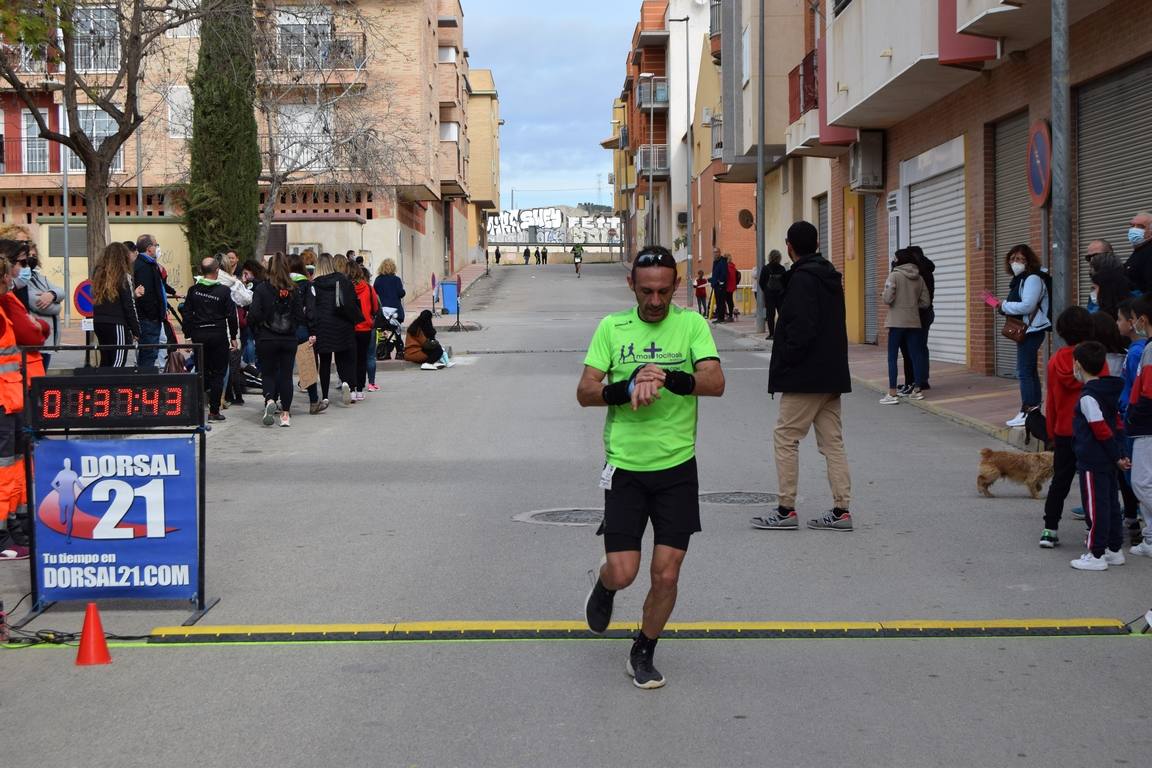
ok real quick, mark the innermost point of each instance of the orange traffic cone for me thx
(93, 645)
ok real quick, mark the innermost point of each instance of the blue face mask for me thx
(26, 273)
(1135, 236)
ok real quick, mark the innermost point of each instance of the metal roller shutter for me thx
(1113, 143)
(822, 225)
(1013, 207)
(871, 261)
(936, 224)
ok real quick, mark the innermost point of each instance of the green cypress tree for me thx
(223, 198)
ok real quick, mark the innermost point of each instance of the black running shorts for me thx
(669, 497)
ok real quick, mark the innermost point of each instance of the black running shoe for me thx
(640, 668)
(598, 607)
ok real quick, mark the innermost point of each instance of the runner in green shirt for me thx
(648, 365)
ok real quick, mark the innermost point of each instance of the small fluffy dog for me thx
(1029, 469)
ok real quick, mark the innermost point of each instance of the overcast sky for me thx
(557, 66)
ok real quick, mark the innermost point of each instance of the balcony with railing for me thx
(714, 27)
(299, 152)
(312, 52)
(717, 127)
(32, 156)
(96, 53)
(803, 91)
(652, 159)
(652, 92)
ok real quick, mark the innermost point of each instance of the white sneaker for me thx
(345, 393)
(1017, 421)
(1114, 558)
(1088, 563)
(428, 367)
(359, 396)
(889, 400)
(450, 363)
(1143, 549)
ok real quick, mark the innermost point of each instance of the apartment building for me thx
(938, 103)
(655, 110)
(363, 104)
(726, 79)
(484, 163)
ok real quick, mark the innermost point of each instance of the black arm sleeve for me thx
(679, 383)
(617, 394)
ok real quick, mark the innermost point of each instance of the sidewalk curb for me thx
(1012, 437)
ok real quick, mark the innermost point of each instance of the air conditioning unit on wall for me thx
(682, 218)
(866, 162)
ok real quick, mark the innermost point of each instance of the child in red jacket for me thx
(1062, 391)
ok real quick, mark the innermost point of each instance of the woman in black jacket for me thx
(274, 315)
(114, 314)
(771, 280)
(337, 311)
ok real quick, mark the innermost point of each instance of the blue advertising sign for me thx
(450, 293)
(116, 519)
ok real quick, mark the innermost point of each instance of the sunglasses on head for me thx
(655, 258)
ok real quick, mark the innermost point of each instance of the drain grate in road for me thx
(562, 516)
(738, 497)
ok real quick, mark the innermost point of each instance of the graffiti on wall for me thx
(551, 225)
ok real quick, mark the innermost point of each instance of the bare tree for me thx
(326, 125)
(93, 55)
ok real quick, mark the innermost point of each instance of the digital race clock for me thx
(121, 400)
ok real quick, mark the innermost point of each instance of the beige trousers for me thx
(798, 413)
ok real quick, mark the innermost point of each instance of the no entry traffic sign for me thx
(82, 299)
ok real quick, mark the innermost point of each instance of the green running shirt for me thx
(661, 435)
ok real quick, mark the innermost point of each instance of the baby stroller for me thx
(391, 338)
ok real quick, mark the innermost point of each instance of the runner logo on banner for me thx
(116, 519)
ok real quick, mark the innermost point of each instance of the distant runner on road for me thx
(657, 360)
(577, 257)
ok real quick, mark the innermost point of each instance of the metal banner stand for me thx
(193, 426)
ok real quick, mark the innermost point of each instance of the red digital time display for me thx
(92, 401)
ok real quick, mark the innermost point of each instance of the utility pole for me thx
(760, 169)
(687, 163)
(1062, 250)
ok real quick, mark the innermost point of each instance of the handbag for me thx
(1014, 328)
(177, 362)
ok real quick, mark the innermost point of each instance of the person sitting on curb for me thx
(421, 345)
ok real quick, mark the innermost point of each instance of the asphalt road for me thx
(401, 509)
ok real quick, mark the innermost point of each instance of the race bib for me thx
(606, 477)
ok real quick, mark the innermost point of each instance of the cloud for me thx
(557, 73)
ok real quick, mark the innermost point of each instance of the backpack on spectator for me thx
(281, 321)
(1036, 426)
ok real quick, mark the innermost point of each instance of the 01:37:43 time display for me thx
(105, 402)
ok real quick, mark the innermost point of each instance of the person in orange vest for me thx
(17, 329)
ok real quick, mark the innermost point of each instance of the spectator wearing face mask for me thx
(42, 298)
(1110, 284)
(1139, 264)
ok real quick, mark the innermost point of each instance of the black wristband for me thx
(679, 383)
(617, 394)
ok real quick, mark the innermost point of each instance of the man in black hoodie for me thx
(210, 319)
(809, 368)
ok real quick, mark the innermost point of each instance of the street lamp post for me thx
(651, 150)
(687, 163)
